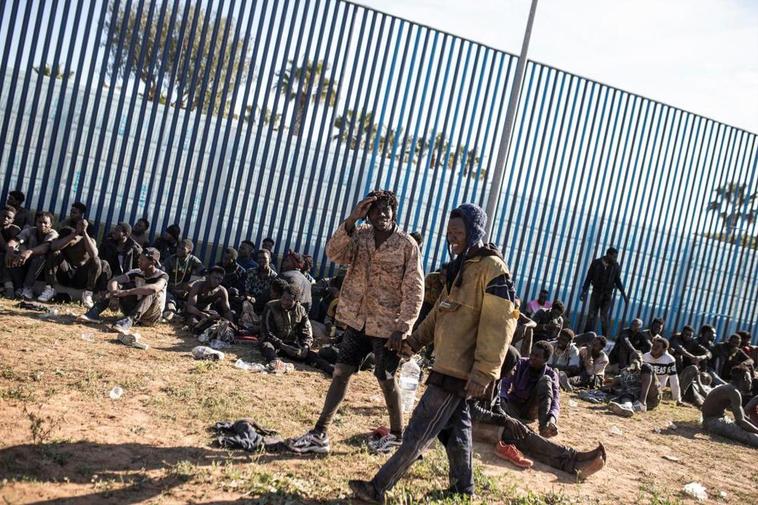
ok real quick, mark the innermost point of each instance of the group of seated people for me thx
(291, 314)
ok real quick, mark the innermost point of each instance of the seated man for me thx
(168, 243)
(631, 342)
(181, 268)
(656, 329)
(258, 281)
(664, 368)
(635, 389)
(76, 214)
(8, 232)
(208, 300)
(234, 274)
(286, 331)
(746, 346)
(687, 350)
(728, 355)
(549, 322)
(120, 250)
(140, 294)
(74, 262)
(292, 266)
(729, 396)
(246, 257)
(533, 391)
(565, 357)
(541, 303)
(139, 232)
(593, 364)
(30, 247)
(23, 217)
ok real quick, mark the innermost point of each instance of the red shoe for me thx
(509, 452)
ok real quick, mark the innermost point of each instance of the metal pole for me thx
(510, 118)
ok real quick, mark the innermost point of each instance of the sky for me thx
(699, 55)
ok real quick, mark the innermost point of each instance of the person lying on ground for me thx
(728, 355)
(120, 250)
(181, 268)
(26, 262)
(380, 300)
(23, 218)
(729, 397)
(519, 442)
(140, 294)
(74, 262)
(139, 232)
(533, 392)
(168, 242)
(635, 389)
(565, 358)
(471, 325)
(8, 233)
(630, 342)
(246, 256)
(286, 331)
(258, 280)
(549, 322)
(208, 301)
(292, 271)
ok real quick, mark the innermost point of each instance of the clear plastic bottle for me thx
(410, 373)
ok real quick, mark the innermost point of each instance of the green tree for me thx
(734, 204)
(364, 127)
(296, 82)
(179, 51)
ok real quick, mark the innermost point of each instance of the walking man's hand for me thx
(395, 342)
(474, 389)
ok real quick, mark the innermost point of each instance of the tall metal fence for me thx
(244, 120)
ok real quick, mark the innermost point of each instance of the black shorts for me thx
(356, 345)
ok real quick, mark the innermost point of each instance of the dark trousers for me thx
(537, 406)
(87, 276)
(28, 273)
(442, 415)
(545, 451)
(600, 303)
(270, 352)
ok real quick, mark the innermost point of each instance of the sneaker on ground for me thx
(622, 410)
(27, 294)
(310, 442)
(639, 407)
(84, 318)
(509, 452)
(87, 300)
(385, 444)
(365, 491)
(168, 315)
(123, 326)
(47, 294)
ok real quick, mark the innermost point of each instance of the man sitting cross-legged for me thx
(286, 331)
(729, 396)
(208, 300)
(140, 294)
(27, 253)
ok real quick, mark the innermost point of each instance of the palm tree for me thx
(295, 82)
(735, 205)
(364, 127)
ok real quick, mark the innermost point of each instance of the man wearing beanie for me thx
(471, 325)
(379, 301)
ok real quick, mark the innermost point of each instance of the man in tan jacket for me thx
(471, 325)
(379, 301)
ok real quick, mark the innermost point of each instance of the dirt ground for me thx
(63, 440)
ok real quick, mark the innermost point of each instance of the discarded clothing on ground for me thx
(222, 331)
(247, 435)
(594, 396)
(37, 307)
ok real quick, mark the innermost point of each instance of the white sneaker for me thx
(47, 294)
(621, 409)
(87, 300)
(639, 407)
(27, 294)
(310, 442)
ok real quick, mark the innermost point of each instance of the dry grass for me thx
(63, 440)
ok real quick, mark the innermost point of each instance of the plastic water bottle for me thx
(409, 378)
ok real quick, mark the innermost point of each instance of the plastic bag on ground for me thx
(205, 352)
(250, 367)
(116, 393)
(696, 490)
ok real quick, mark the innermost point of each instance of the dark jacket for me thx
(120, 258)
(603, 278)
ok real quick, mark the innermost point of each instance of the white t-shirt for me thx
(664, 368)
(139, 278)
